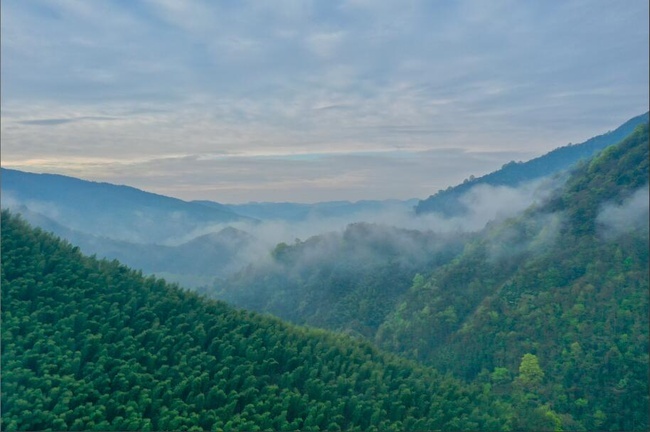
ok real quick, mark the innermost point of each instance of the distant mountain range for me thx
(294, 212)
(186, 242)
(513, 174)
(193, 242)
(107, 210)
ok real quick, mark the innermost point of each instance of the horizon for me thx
(349, 201)
(310, 102)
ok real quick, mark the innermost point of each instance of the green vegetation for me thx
(548, 310)
(543, 317)
(345, 282)
(90, 344)
(557, 284)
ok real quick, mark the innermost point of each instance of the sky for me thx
(307, 101)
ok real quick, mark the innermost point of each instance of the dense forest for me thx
(565, 284)
(537, 322)
(579, 302)
(90, 344)
(346, 281)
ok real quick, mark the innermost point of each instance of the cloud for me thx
(325, 44)
(485, 204)
(58, 121)
(311, 77)
(629, 216)
(45, 122)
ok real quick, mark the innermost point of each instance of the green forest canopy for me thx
(91, 344)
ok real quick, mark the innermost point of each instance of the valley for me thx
(533, 317)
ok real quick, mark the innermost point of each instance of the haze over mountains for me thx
(344, 215)
(189, 242)
(194, 242)
(102, 209)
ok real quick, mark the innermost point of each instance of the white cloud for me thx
(264, 77)
(630, 215)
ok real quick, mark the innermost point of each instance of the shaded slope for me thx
(90, 344)
(196, 262)
(448, 202)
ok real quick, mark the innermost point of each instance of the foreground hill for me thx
(566, 283)
(106, 210)
(90, 344)
(449, 203)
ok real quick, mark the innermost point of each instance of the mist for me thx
(484, 204)
(630, 215)
(180, 247)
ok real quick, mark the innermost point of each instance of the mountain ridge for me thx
(114, 211)
(514, 173)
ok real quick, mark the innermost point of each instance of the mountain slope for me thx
(347, 281)
(103, 209)
(448, 202)
(566, 283)
(196, 262)
(90, 344)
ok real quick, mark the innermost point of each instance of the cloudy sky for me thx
(298, 100)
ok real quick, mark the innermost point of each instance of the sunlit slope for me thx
(90, 344)
(567, 282)
(448, 201)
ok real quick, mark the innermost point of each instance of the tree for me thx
(530, 373)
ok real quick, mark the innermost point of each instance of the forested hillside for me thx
(544, 317)
(90, 344)
(566, 283)
(345, 281)
(449, 202)
(564, 287)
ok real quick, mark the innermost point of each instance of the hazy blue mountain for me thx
(513, 174)
(301, 212)
(192, 263)
(108, 210)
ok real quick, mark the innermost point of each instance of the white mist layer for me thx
(630, 215)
